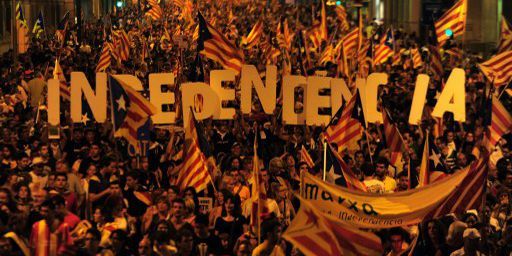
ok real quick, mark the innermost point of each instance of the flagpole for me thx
(325, 159)
(14, 28)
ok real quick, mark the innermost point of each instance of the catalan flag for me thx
(194, 172)
(259, 193)
(498, 69)
(318, 234)
(454, 19)
(327, 55)
(154, 10)
(436, 64)
(394, 140)
(365, 59)
(59, 75)
(432, 168)
(130, 111)
(385, 49)
(39, 27)
(305, 157)
(417, 62)
(283, 35)
(22, 28)
(339, 173)
(318, 32)
(341, 13)
(346, 127)
(468, 195)
(216, 47)
(350, 43)
(62, 28)
(254, 36)
(505, 36)
(105, 58)
(121, 44)
(179, 3)
(501, 122)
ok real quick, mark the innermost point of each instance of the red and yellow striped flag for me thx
(341, 13)
(454, 19)
(194, 172)
(59, 75)
(283, 35)
(498, 69)
(305, 157)
(105, 58)
(316, 233)
(254, 36)
(350, 43)
(385, 49)
(501, 123)
(155, 11)
(505, 36)
(394, 140)
(436, 64)
(121, 44)
(216, 47)
(416, 58)
(327, 55)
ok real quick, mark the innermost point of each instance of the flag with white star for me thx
(87, 115)
(130, 111)
(339, 173)
(432, 167)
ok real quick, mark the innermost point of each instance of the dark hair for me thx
(95, 233)
(133, 174)
(235, 199)
(58, 200)
(179, 201)
(202, 219)
(384, 161)
(60, 174)
(368, 169)
(267, 226)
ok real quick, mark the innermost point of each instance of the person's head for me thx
(178, 207)
(367, 169)
(265, 177)
(235, 164)
(97, 215)
(303, 167)
(144, 247)
(270, 230)
(381, 167)
(92, 239)
(62, 166)
(91, 170)
(201, 223)
(7, 151)
(231, 205)
(449, 136)
(396, 238)
(236, 150)
(290, 160)
(462, 160)
(132, 179)
(44, 150)
(117, 238)
(244, 248)
(163, 205)
(189, 193)
(470, 219)
(185, 241)
(163, 226)
(94, 150)
(23, 191)
(435, 232)
(23, 161)
(403, 181)
(38, 196)
(59, 203)
(114, 187)
(359, 157)
(61, 181)
(172, 193)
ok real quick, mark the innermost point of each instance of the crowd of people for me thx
(84, 193)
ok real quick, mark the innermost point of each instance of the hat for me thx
(37, 160)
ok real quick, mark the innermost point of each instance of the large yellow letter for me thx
(418, 99)
(266, 94)
(339, 92)
(289, 114)
(314, 101)
(369, 101)
(453, 97)
(97, 99)
(211, 103)
(159, 98)
(224, 94)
